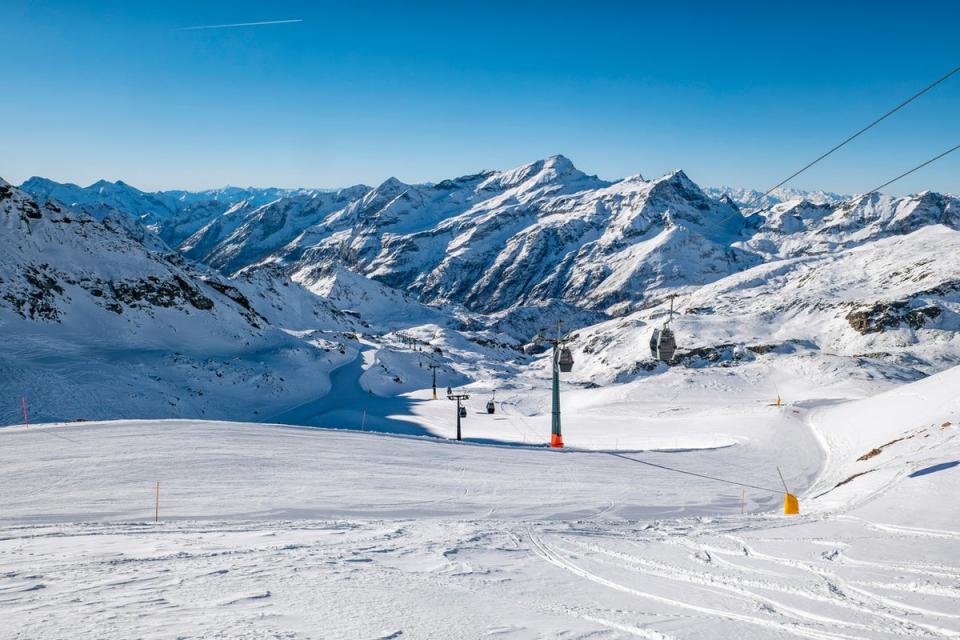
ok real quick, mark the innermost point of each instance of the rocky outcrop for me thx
(883, 316)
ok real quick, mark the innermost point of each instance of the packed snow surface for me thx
(279, 531)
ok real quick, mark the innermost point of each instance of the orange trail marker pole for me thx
(23, 405)
(156, 505)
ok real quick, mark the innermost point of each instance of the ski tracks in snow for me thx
(799, 590)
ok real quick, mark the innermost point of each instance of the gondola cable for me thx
(906, 173)
(856, 135)
(738, 209)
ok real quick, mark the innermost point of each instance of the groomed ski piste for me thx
(204, 529)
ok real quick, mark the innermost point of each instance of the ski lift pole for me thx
(458, 397)
(561, 360)
(556, 435)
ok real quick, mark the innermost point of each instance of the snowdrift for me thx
(897, 453)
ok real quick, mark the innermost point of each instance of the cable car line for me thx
(905, 174)
(857, 134)
(739, 209)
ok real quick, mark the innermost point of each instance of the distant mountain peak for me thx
(678, 176)
(553, 170)
(391, 185)
(678, 181)
(559, 162)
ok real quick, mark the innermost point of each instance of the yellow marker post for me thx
(791, 506)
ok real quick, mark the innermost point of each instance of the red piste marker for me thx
(26, 418)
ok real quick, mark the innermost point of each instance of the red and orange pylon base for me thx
(556, 441)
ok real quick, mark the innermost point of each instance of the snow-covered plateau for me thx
(232, 431)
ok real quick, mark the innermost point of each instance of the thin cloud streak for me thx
(238, 24)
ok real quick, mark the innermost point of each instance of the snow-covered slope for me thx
(368, 299)
(285, 532)
(247, 232)
(800, 227)
(99, 324)
(889, 308)
(882, 450)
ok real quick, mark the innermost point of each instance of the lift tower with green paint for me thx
(561, 361)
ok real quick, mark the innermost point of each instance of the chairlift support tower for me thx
(562, 360)
(433, 368)
(460, 410)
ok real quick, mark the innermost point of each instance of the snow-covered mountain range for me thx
(490, 241)
(471, 266)
(754, 200)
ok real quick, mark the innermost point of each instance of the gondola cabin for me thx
(666, 345)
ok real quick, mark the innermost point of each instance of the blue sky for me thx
(733, 93)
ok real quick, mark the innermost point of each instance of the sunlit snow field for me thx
(280, 531)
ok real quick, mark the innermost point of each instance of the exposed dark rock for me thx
(883, 316)
(761, 349)
(159, 293)
(37, 299)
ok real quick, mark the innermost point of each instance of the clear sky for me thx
(736, 93)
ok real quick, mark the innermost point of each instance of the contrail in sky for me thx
(238, 24)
